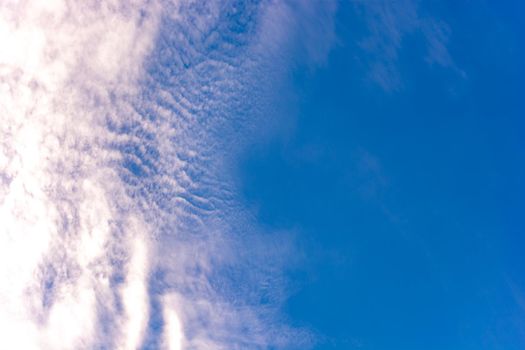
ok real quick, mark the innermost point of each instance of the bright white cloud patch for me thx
(116, 229)
(64, 236)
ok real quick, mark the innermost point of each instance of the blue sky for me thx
(265, 174)
(404, 184)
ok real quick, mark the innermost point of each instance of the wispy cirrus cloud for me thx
(389, 24)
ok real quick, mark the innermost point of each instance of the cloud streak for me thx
(389, 24)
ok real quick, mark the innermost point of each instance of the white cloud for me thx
(62, 229)
(116, 208)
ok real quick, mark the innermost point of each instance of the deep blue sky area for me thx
(408, 201)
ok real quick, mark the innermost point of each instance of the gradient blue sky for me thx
(399, 164)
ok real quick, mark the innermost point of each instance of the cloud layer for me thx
(120, 225)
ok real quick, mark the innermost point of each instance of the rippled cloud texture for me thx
(119, 226)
